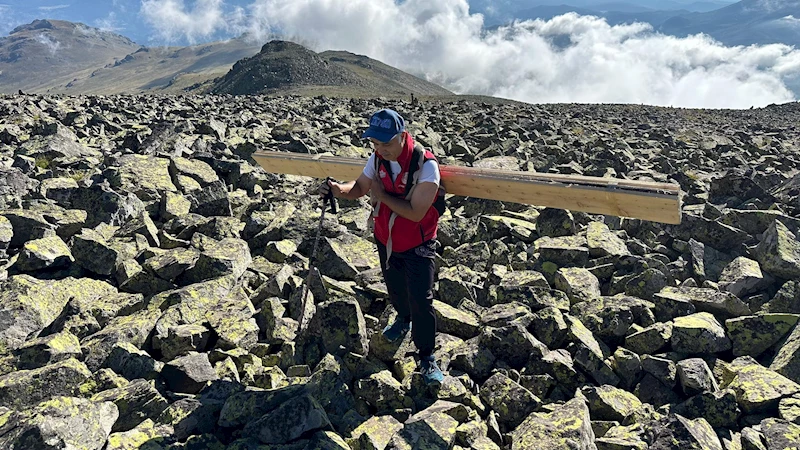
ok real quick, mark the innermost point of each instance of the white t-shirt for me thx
(430, 170)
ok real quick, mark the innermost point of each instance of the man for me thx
(404, 223)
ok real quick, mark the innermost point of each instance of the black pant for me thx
(409, 280)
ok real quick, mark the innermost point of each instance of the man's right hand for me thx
(328, 186)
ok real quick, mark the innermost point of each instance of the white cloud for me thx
(109, 23)
(51, 44)
(172, 21)
(52, 8)
(570, 58)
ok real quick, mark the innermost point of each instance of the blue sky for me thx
(130, 18)
(445, 42)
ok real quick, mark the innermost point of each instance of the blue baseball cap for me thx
(384, 125)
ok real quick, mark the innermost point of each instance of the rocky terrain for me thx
(152, 275)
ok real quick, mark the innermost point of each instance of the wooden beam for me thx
(656, 202)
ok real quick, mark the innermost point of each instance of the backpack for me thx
(419, 152)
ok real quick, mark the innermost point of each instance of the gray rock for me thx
(610, 403)
(225, 257)
(779, 252)
(741, 277)
(579, 284)
(183, 339)
(753, 335)
(511, 401)
(678, 431)
(26, 388)
(46, 350)
(718, 408)
(188, 374)
(136, 402)
(512, 344)
(341, 327)
(63, 422)
(44, 253)
(132, 363)
(695, 377)
(425, 430)
(541, 430)
(602, 242)
(289, 421)
(699, 333)
(463, 324)
(554, 222)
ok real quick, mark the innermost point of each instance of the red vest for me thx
(406, 234)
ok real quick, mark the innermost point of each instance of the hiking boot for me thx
(430, 371)
(397, 330)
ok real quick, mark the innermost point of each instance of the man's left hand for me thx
(377, 191)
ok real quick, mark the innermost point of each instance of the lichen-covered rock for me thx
(753, 335)
(342, 328)
(650, 340)
(568, 427)
(459, 323)
(279, 251)
(147, 435)
(579, 284)
(610, 318)
(344, 257)
(134, 328)
(781, 434)
(473, 358)
(789, 408)
(719, 408)
(293, 418)
(694, 376)
(375, 433)
(188, 374)
(220, 302)
(382, 391)
(512, 344)
(721, 304)
(622, 437)
(27, 226)
(61, 422)
(26, 388)
(132, 363)
(172, 263)
(677, 431)
(136, 402)
(182, 339)
(741, 277)
(779, 252)
(555, 222)
(758, 388)
(143, 175)
(426, 429)
(6, 233)
(49, 349)
(47, 252)
(511, 401)
(548, 325)
(240, 408)
(95, 253)
(28, 305)
(699, 333)
(602, 242)
(194, 168)
(141, 224)
(226, 257)
(786, 300)
(787, 360)
(190, 416)
(610, 403)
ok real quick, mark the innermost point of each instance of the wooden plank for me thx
(657, 202)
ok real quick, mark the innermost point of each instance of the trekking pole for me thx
(311, 269)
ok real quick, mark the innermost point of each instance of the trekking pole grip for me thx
(331, 199)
